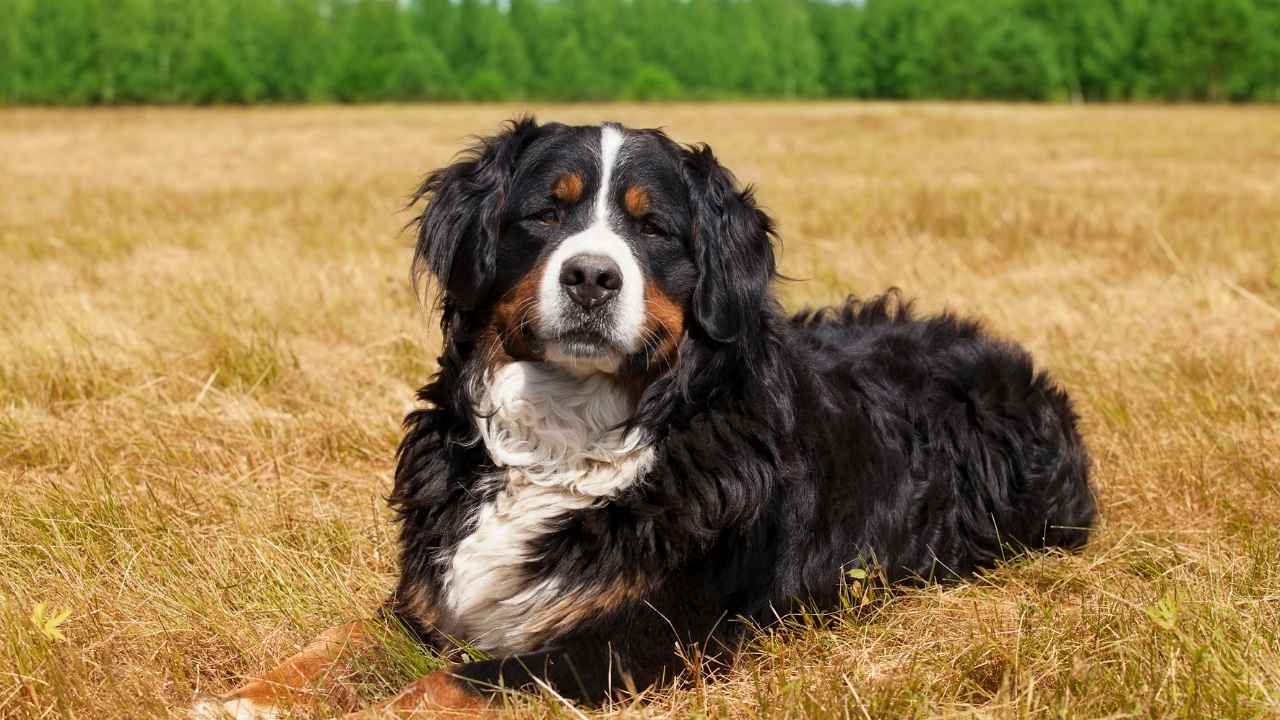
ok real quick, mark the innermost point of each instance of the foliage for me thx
(242, 51)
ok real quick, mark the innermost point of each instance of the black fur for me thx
(790, 449)
(469, 199)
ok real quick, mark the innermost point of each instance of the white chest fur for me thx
(555, 437)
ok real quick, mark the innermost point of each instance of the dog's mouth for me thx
(583, 349)
(584, 345)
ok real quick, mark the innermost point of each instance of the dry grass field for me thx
(208, 339)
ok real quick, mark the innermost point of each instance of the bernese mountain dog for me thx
(630, 450)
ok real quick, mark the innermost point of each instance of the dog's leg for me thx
(438, 694)
(584, 671)
(315, 672)
(618, 653)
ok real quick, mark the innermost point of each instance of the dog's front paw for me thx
(232, 709)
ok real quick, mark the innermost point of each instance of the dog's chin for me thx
(582, 356)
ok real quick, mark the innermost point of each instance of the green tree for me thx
(13, 22)
(540, 28)
(570, 72)
(650, 82)
(846, 55)
(1016, 61)
(796, 55)
(893, 32)
(58, 63)
(213, 65)
(1200, 49)
(381, 59)
(487, 84)
(1264, 71)
(1106, 49)
(949, 52)
(291, 40)
(217, 51)
(437, 21)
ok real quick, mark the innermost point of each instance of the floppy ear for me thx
(458, 229)
(732, 247)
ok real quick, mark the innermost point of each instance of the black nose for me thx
(590, 280)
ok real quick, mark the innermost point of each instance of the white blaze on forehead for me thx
(599, 238)
(610, 145)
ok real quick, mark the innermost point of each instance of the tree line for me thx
(78, 52)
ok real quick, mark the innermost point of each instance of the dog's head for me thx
(594, 248)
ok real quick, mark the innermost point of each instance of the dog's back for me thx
(944, 450)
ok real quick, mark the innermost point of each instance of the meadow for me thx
(208, 338)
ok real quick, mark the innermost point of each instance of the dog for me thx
(630, 450)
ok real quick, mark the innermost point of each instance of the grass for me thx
(208, 339)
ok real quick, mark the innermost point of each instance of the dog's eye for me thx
(650, 229)
(550, 216)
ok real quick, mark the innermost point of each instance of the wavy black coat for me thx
(790, 450)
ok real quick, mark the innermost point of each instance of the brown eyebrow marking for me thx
(567, 188)
(636, 201)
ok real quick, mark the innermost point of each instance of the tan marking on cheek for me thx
(567, 188)
(663, 317)
(664, 325)
(513, 319)
(636, 200)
